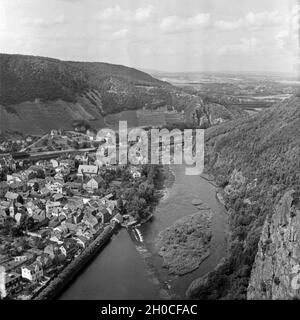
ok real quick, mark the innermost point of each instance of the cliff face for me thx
(256, 161)
(276, 270)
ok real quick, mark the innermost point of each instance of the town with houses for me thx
(52, 209)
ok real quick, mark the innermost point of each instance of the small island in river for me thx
(186, 244)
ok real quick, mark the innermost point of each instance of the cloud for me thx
(263, 19)
(252, 21)
(120, 34)
(288, 37)
(228, 25)
(109, 13)
(245, 45)
(142, 14)
(43, 23)
(3, 20)
(117, 13)
(295, 10)
(176, 24)
(295, 18)
(171, 24)
(72, 1)
(282, 37)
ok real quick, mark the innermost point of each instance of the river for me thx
(129, 267)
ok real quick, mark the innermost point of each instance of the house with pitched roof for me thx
(18, 217)
(13, 178)
(68, 248)
(12, 284)
(73, 186)
(90, 220)
(82, 241)
(56, 186)
(54, 163)
(94, 183)
(77, 216)
(87, 170)
(12, 196)
(118, 218)
(12, 208)
(51, 206)
(104, 215)
(40, 182)
(33, 272)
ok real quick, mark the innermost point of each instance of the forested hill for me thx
(25, 78)
(52, 94)
(256, 161)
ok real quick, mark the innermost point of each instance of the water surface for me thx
(129, 266)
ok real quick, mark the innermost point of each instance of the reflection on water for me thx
(129, 266)
(118, 272)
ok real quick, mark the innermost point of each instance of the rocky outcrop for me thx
(264, 148)
(276, 270)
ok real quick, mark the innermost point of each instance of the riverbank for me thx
(132, 268)
(210, 178)
(219, 191)
(186, 244)
(55, 287)
(199, 282)
(219, 195)
(166, 181)
(163, 180)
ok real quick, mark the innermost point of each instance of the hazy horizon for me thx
(166, 72)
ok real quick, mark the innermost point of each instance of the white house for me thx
(18, 217)
(51, 206)
(82, 241)
(33, 272)
(20, 258)
(135, 172)
(9, 283)
(117, 218)
(56, 186)
(13, 179)
(54, 163)
(87, 170)
(63, 250)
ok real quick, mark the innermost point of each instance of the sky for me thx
(166, 35)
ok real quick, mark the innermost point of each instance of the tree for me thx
(146, 191)
(126, 176)
(75, 145)
(3, 188)
(28, 223)
(32, 175)
(40, 174)
(120, 206)
(136, 206)
(69, 193)
(36, 187)
(16, 232)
